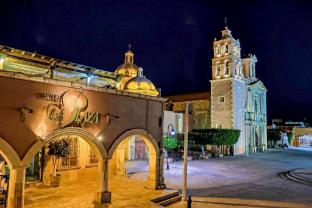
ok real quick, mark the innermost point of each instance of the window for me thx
(218, 49)
(221, 99)
(237, 70)
(218, 70)
(200, 119)
(226, 68)
(92, 157)
(71, 161)
(226, 48)
(238, 53)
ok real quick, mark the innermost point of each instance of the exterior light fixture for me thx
(100, 138)
(172, 133)
(1, 62)
(88, 79)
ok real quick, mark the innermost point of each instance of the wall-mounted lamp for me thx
(25, 110)
(100, 137)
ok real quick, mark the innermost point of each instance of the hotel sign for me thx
(70, 109)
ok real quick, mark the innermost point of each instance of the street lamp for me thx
(172, 133)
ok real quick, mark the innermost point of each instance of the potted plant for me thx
(57, 149)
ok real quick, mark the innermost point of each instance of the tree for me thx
(215, 136)
(57, 149)
(274, 135)
(290, 136)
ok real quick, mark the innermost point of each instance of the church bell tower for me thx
(228, 87)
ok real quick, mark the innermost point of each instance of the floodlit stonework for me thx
(237, 99)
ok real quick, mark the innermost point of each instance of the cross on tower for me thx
(129, 47)
(225, 21)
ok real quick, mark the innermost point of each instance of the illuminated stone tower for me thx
(238, 98)
(228, 87)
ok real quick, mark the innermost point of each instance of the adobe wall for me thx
(24, 117)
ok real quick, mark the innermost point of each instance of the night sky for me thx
(172, 41)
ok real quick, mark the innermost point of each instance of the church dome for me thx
(128, 68)
(141, 85)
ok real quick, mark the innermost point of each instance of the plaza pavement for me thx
(125, 193)
(243, 181)
(247, 181)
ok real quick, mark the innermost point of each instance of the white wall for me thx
(176, 119)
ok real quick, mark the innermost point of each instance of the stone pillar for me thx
(16, 187)
(120, 161)
(160, 178)
(152, 172)
(265, 141)
(103, 196)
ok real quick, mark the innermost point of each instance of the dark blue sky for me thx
(172, 40)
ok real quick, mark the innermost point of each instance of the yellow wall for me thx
(84, 169)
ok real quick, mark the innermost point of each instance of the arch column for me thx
(155, 173)
(103, 196)
(16, 187)
(120, 161)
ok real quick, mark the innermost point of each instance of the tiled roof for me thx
(189, 97)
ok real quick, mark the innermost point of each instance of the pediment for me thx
(257, 85)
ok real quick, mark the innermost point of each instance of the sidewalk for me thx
(203, 202)
(305, 149)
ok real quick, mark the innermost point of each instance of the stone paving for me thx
(125, 193)
(250, 181)
(246, 181)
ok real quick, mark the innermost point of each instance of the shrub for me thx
(215, 136)
(180, 140)
(290, 136)
(274, 135)
(170, 143)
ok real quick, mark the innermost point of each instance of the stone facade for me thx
(237, 99)
(199, 108)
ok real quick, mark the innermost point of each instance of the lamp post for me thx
(184, 180)
(172, 132)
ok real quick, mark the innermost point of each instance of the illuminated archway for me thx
(117, 155)
(9, 154)
(14, 163)
(88, 137)
(81, 172)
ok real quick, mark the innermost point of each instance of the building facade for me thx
(237, 99)
(44, 99)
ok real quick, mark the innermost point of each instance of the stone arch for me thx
(147, 137)
(154, 170)
(87, 136)
(9, 154)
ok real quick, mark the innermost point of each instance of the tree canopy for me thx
(215, 136)
(274, 135)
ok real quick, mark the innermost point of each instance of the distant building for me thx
(286, 126)
(302, 132)
(237, 99)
